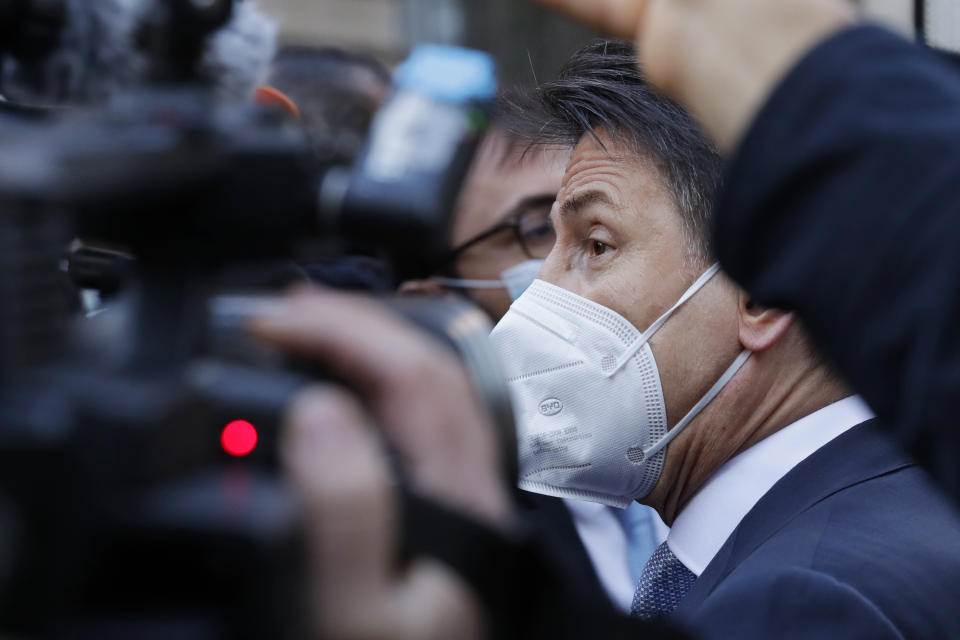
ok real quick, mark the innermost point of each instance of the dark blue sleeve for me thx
(843, 203)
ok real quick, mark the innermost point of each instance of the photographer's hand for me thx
(720, 58)
(341, 474)
(422, 401)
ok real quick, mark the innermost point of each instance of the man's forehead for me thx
(597, 158)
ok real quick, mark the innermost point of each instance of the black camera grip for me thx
(513, 577)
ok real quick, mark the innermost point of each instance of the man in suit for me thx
(791, 514)
(852, 223)
(782, 496)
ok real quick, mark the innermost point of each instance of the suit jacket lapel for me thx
(830, 469)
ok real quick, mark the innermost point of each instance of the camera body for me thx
(125, 510)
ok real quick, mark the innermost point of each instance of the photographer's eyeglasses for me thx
(531, 228)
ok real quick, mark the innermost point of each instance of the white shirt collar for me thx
(715, 511)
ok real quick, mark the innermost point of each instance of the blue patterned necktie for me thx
(641, 534)
(664, 583)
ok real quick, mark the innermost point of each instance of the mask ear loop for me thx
(653, 328)
(459, 283)
(463, 283)
(701, 404)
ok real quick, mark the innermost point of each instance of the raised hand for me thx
(719, 58)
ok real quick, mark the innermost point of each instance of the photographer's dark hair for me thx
(337, 93)
(601, 87)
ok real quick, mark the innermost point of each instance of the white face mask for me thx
(515, 280)
(591, 421)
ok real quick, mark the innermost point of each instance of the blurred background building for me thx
(528, 41)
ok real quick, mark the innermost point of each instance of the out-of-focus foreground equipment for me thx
(138, 486)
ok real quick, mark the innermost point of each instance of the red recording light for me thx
(239, 438)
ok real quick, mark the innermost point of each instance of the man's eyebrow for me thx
(580, 201)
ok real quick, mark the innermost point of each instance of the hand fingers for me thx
(620, 18)
(421, 287)
(422, 397)
(339, 472)
(434, 603)
(354, 336)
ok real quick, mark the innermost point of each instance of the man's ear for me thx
(421, 288)
(761, 327)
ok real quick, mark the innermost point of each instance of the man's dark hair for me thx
(507, 143)
(601, 87)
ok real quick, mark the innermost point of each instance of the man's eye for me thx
(598, 247)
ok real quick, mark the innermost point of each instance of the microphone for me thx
(238, 57)
(100, 52)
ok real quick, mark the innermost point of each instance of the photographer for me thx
(334, 95)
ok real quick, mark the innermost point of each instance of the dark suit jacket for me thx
(854, 542)
(562, 543)
(843, 203)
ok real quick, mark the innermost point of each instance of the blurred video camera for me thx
(138, 488)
